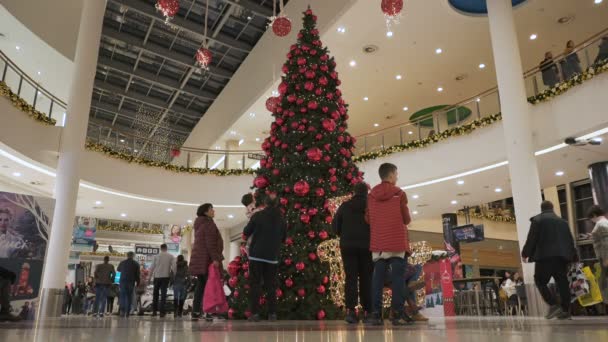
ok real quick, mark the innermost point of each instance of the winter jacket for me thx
(268, 230)
(549, 237)
(600, 240)
(388, 216)
(350, 225)
(104, 274)
(129, 271)
(208, 245)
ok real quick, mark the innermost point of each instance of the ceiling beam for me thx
(252, 6)
(103, 107)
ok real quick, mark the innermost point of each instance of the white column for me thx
(515, 119)
(72, 144)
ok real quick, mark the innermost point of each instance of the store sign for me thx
(256, 156)
(146, 250)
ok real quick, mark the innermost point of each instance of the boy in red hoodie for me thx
(388, 216)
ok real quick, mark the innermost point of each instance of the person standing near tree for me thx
(388, 216)
(551, 246)
(129, 277)
(207, 249)
(267, 229)
(349, 224)
(599, 235)
(104, 276)
(161, 271)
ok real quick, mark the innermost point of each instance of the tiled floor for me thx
(451, 330)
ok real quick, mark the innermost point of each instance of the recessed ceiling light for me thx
(366, 98)
(217, 147)
(415, 212)
(460, 182)
(257, 139)
(98, 202)
(342, 29)
(440, 89)
(415, 196)
(169, 210)
(252, 115)
(241, 142)
(410, 132)
(438, 51)
(275, 93)
(232, 132)
(123, 215)
(39, 73)
(398, 77)
(353, 63)
(122, 140)
(533, 36)
(376, 125)
(405, 109)
(597, 2)
(17, 174)
(478, 99)
(389, 34)
(238, 162)
(18, 47)
(498, 190)
(559, 173)
(482, 66)
(230, 216)
(135, 151)
(189, 221)
(454, 202)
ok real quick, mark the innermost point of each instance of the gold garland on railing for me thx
(491, 217)
(435, 138)
(113, 254)
(23, 106)
(123, 228)
(108, 151)
(564, 86)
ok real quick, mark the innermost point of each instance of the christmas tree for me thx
(308, 161)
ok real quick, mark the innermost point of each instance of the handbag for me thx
(595, 295)
(214, 299)
(579, 284)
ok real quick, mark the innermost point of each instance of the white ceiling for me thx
(410, 52)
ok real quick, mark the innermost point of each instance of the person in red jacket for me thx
(388, 216)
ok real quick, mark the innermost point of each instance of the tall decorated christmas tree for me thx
(308, 162)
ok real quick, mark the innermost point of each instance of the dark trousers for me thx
(199, 291)
(5, 302)
(110, 306)
(358, 268)
(160, 289)
(262, 272)
(101, 295)
(126, 298)
(556, 268)
(399, 291)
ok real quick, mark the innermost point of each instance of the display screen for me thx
(117, 278)
(468, 233)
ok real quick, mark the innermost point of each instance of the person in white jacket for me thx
(599, 235)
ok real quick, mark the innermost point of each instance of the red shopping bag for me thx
(214, 300)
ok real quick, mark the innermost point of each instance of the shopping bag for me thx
(579, 285)
(595, 295)
(214, 299)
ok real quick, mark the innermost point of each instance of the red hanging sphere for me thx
(175, 152)
(320, 192)
(272, 103)
(234, 268)
(281, 26)
(305, 218)
(312, 256)
(301, 292)
(288, 282)
(231, 313)
(323, 235)
(168, 8)
(203, 58)
(321, 289)
(329, 125)
(391, 8)
(321, 315)
(301, 188)
(311, 234)
(325, 280)
(260, 182)
(279, 293)
(314, 154)
(288, 262)
(300, 266)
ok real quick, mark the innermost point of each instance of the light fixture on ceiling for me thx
(415, 212)
(122, 140)
(410, 132)
(353, 63)
(478, 99)
(39, 73)
(257, 139)
(405, 109)
(169, 210)
(249, 17)
(438, 51)
(239, 162)
(440, 89)
(366, 98)
(376, 125)
(559, 173)
(135, 151)
(241, 142)
(189, 221)
(18, 47)
(252, 115)
(230, 216)
(123, 215)
(398, 77)
(498, 190)
(341, 29)
(482, 66)
(17, 174)
(533, 36)
(460, 182)
(217, 147)
(416, 196)
(597, 2)
(98, 202)
(454, 202)
(389, 34)
(232, 132)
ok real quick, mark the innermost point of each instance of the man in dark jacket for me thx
(349, 224)
(104, 277)
(551, 246)
(7, 277)
(129, 277)
(267, 229)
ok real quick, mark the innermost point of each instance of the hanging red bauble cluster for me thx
(272, 103)
(391, 8)
(203, 58)
(281, 26)
(168, 8)
(175, 152)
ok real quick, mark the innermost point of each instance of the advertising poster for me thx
(25, 224)
(84, 231)
(434, 295)
(172, 233)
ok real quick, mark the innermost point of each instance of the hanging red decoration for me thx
(175, 152)
(321, 315)
(168, 8)
(301, 188)
(281, 26)
(204, 58)
(392, 11)
(272, 103)
(260, 182)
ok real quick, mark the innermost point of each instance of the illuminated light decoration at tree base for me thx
(308, 159)
(392, 12)
(168, 8)
(204, 58)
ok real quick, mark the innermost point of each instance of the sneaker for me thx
(272, 317)
(553, 312)
(402, 319)
(564, 316)
(351, 317)
(376, 319)
(418, 317)
(254, 318)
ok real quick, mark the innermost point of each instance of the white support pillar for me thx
(72, 144)
(515, 118)
(525, 182)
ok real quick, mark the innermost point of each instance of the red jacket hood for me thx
(385, 191)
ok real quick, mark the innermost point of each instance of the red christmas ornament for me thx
(301, 188)
(332, 171)
(233, 281)
(313, 211)
(284, 201)
(305, 218)
(329, 219)
(276, 172)
(234, 268)
(175, 152)
(300, 266)
(289, 241)
(328, 125)
(283, 88)
(312, 256)
(272, 103)
(311, 234)
(246, 275)
(309, 86)
(321, 289)
(325, 280)
(301, 292)
(231, 313)
(236, 294)
(320, 192)
(288, 262)
(247, 313)
(323, 235)
(168, 8)
(314, 154)
(262, 301)
(301, 61)
(313, 105)
(281, 26)
(288, 282)
(391, 8)
(260, 182)
(321, 315)
(279, 293)
(203, 58)
(310, 74)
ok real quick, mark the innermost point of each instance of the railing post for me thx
(535, 85)
(457, 118)
(365, 144)
(226, 160)
(243, 161)
(35, 97)
(207, 161)
(20, 82)
(51, 108)
(400, 135)
(99, 136)
(383, 141)
(4, 71)
(419, 130)
(477, 108)
(188, 160)
(587, 58)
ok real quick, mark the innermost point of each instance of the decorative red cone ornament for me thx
(281, 26)
(168, 8)
(272, 103)
(204, 58)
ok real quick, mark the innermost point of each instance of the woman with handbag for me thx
(599, 235)
(207, 249)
